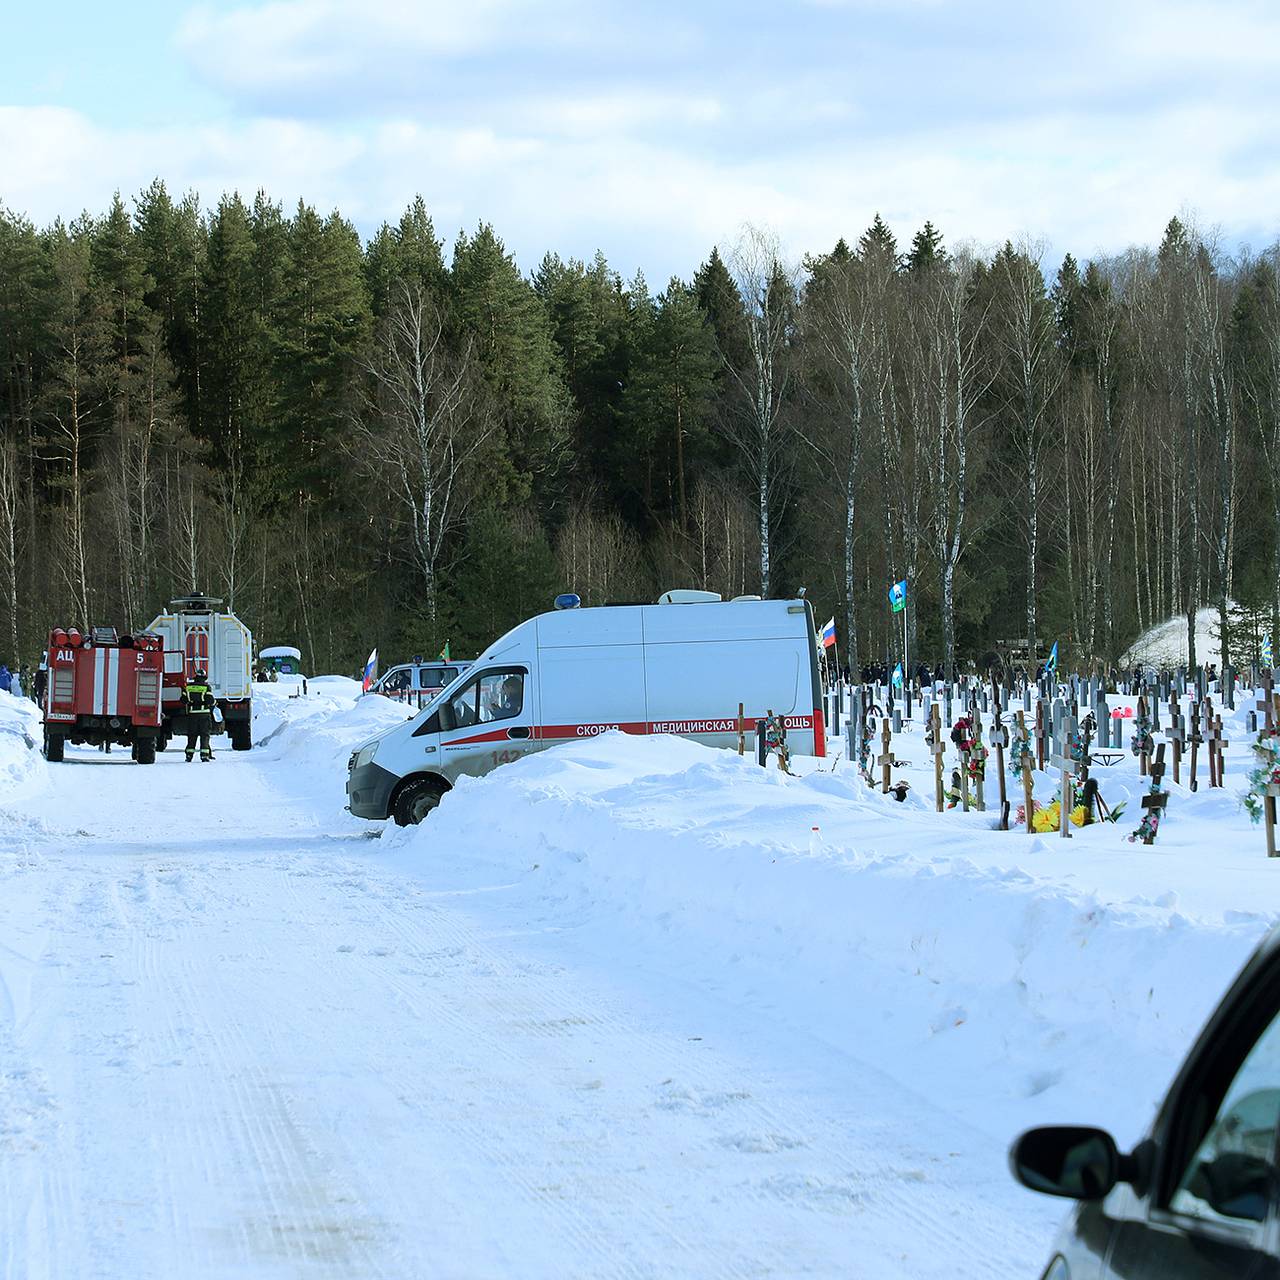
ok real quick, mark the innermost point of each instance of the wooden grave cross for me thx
(1144, 758)
(938, 746)
(1027, 780)
(1217, 745)
(1210, 738)
(1156, 799)
(1066, 765)
(1040, 730)
(886, 756)
(1000, 740)
(1175, 733)
(1196, 739)
(979, 782)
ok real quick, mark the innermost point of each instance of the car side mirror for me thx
(1066, 1160)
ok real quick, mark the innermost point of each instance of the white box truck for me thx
(199, 636)
(680, 667)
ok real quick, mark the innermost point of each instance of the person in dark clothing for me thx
(198, 704)
(39, 684)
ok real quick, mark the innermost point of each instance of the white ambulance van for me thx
(678, 667)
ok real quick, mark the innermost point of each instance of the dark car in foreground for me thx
(1198, 1197)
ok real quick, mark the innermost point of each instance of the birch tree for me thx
(845, 322)
(948, 329)
(756, 424)
(423, 426)
(1030, 373)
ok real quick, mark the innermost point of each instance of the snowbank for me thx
(308, 738)
(22, 767)
(970, 962)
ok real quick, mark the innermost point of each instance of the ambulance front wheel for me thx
(54, 746)
(415, 801)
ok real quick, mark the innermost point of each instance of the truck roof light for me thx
(568, 601)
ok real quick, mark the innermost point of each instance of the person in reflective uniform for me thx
(198, 704)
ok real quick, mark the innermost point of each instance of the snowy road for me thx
(235, 1041)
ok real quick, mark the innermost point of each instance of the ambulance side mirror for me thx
(431, 724)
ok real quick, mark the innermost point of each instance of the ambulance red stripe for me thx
(645, 727)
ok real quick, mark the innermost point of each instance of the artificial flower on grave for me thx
(775, 741)
(1264, 774)
(1078, 750)
(1021, 750)
(1022, 811)
(976, 762)
(1150, 823)
(1142, 743)
(1079, 816)
(962, 734)
(1047, 818)
(864, 750)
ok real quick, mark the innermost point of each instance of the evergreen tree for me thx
(325, 321)
(497, 311)
(410, 251)
(505, 573)
(1067, 302)
(720, 300)
(173, 240)
(926, 250)
(669, 396)
(878, 246)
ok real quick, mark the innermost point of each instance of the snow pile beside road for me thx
(22, 766)
(972, 963)
(308, 738)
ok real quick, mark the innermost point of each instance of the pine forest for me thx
(406, 443)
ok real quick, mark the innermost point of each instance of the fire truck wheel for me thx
(415, 801)
(54, 745)
(241, 736)
(145, 751)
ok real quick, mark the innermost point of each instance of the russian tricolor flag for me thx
(370, 671)
(829, 635)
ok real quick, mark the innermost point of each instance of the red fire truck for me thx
(103, 688)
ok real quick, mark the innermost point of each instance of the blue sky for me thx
(653, 131)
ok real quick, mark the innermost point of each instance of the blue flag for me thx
(1052, 663)
(897, 676)
(898, 596)
(1268, 659)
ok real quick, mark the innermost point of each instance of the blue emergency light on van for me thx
(568, 601)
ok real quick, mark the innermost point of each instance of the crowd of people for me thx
(17, 681)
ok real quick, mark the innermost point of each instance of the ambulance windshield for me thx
(437, 696)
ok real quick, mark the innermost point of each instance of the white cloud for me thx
(1084, 181)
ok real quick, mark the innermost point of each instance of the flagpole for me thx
(906, 665)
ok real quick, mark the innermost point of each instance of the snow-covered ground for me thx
(615, 1010)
